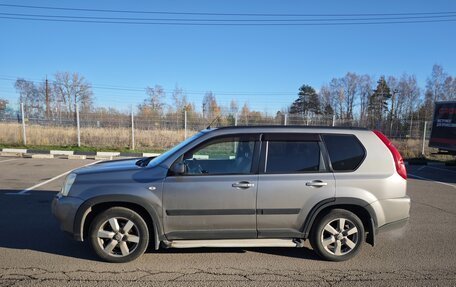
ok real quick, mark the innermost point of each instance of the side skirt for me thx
(235, 243)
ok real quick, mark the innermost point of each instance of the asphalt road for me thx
(34, 252)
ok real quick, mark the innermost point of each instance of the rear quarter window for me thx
(345, 151)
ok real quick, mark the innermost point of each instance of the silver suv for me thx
(242, 187)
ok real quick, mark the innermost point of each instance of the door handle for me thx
(243, 185)
(316, 183)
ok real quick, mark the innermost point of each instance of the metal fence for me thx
(135, 130)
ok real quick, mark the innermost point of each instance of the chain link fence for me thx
(135, 131)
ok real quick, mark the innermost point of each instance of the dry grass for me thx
(409, 148)
(118, 138)
(146, 140)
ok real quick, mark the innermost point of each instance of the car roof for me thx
(285, 129)
(289, 128)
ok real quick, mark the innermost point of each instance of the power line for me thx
(68, 17)
(227, 24)
(222, 14)
(168, 91)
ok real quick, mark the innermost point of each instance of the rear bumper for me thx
(391, 210)
(399, 224)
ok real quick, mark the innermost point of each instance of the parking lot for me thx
(34, 252)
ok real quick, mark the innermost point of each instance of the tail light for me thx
(398, 161)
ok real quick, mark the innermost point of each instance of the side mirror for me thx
(178, 168)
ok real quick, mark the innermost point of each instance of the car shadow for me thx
(301, 253)
(29, 224)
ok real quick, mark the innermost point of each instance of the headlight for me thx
(68, 183)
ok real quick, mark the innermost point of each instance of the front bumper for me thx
(64, 208)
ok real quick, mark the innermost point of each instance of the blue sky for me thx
(261, 65)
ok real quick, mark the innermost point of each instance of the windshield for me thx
(169, 152)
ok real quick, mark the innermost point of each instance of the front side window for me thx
(228, 155)
(292, 157)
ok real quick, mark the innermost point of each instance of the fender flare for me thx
(315, 211)
(85, 208)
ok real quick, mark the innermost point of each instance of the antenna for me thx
(213, 121)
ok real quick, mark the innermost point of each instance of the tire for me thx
(333, 242)
(118, 235)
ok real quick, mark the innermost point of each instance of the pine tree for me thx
(378, 102)
(307, 102)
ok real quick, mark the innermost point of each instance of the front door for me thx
(216, 195)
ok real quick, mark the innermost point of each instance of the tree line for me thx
(361, 98)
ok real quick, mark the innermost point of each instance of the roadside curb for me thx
(67, 154)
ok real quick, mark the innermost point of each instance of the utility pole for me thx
(24, 136)
(48, 108)
(132, 129)
(78, 125)
(185, 122)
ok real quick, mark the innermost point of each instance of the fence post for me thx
(411, 125)
(424, 138)
(185, 123)
(285, 119)
(78, 125)
(132, 129)
(24, 136)
(334, 120)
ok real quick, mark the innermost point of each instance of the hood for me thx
(110, 166)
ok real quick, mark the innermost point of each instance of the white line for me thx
(24, 192)
(8, 160)
(444, 183)
(442, 169)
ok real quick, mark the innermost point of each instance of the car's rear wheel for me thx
(118, 235)
(338, 235)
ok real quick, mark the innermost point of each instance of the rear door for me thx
(294, 176)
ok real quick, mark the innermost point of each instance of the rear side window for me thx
(292, 157)
(345, 151)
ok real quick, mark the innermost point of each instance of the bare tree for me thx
(365, 91)
(210, 107)
(73, 89)
(449, 88)
(326, 100)
(338, 95)
(245, 113)
(179, 99)
(434, 89)
(234, 107)
(3, 104)
(350, 88)
(32, 96)
(156, 95)
(409, 92)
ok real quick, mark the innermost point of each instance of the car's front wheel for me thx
(118, 235)
(338, 235)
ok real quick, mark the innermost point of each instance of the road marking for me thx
(8, 160)
(442, 169)
(25, 191)
(425, 178)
